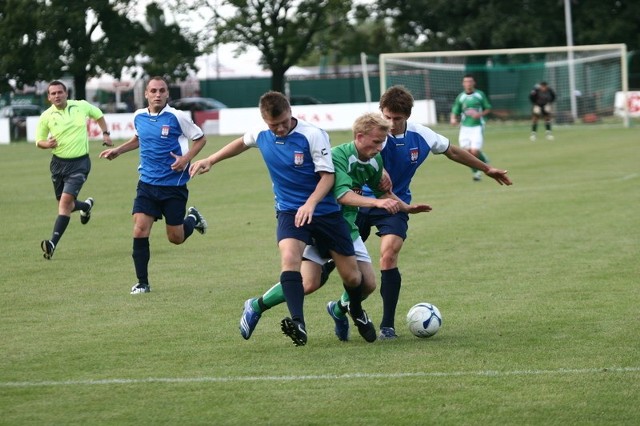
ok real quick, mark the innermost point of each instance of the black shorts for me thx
(69, 174)
(159, 201)
(386, 223)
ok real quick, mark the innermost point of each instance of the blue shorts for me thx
(159, 201)
(387, 224)
(331, 232)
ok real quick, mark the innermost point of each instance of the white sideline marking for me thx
(487, 373)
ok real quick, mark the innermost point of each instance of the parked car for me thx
(205, 112)
(197, 104)
(17, 115)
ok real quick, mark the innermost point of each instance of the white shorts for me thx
(362, 255)
(471, 137)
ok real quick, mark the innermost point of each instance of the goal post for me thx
(586, 79)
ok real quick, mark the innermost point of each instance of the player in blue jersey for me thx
(298, 157)
(408, 145)
(356, 163)
(162, 133)
(472, 106)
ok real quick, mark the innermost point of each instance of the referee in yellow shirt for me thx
(63, 129)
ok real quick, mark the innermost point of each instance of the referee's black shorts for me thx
(69, 174)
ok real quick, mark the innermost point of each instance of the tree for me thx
(443, 25)
(81, 39)
(86, 38)
(168, 52)
(19, 61)
(282, 30)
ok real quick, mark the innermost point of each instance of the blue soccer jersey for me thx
(404, 153)
(160, 135)
(293, 162)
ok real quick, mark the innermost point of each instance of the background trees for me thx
(43, 40)
(86, 38)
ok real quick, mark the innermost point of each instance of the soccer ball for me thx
(424, 320)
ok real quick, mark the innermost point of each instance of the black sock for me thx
(80, 205)
(141, 255)
(548, 126)
(188, 224)
(293, 293)
(59, 227)
(355, 299)
(534, 127)
(390, 291)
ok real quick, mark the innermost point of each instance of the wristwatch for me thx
(106, 132)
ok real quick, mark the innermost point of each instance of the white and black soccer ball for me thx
(424, 320)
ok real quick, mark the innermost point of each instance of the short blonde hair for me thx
(370, 121)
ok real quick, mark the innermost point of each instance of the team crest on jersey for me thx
(413, 154)
(298, 158)
(165, 130)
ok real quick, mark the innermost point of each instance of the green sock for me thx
(482, 157)
(272, 297)
(340, 308)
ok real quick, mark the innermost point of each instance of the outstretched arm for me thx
(129, 145)
(461, 156)
(233, 148)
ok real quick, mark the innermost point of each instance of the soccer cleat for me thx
(201, 223)
(327, 269)
(85, 215)
(549, 136)
(477, 176)
(365, 327)
(533, 137)
(295, 330)
(47, 248)
(342, 324)
(249, 319)
(140, 288)
(387, 333)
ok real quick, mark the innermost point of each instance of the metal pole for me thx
(365, 77)
(572, 80)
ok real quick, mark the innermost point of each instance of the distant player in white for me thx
(472, 105)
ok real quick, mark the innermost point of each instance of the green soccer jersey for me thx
(351, 175)
(475, 101)
(69, 127)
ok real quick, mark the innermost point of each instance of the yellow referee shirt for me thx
(69, 127)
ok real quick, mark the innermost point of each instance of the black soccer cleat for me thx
(295, 330)
(85, 215)
(47, 249)
(365, 327)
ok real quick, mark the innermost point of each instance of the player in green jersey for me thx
(471, 105)
(357, 163)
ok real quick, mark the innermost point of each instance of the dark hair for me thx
(397, 99)
(158, 78)
(57, 83)
(274, 104)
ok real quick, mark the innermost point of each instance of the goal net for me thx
(585, 79)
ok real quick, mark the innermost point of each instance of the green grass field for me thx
(538, 285)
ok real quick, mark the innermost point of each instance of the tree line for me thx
(44, 40)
